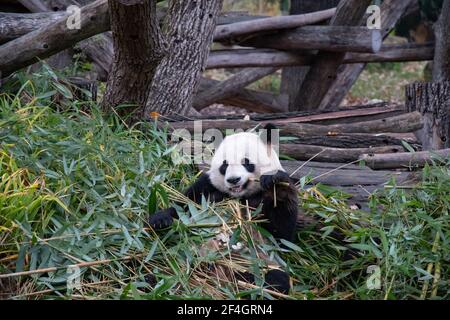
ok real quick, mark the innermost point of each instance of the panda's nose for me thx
(233, 180)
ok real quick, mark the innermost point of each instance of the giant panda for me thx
(246, 168)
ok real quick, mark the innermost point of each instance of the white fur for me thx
(234, 149)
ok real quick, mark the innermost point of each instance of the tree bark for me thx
(190, 32)
(324, 70)
(432, 100)
(391, 11)
(138, 49)
(292, 78)
(441, 66)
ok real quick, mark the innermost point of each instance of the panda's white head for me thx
(240, 160)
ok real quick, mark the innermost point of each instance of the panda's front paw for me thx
(162, 219)
(267, 181)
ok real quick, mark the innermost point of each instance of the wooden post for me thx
(432, 100)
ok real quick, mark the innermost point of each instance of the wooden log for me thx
(239, 58)
(398, 124)
(227, 88)
(329, 38)
(406, 160)
(14, 25)
(432, 100)
(336, 174)
(270, 24)
(53, 38)
(328, 154)
(252, 100)
(391, 11)
(350, 141)
(347, 115)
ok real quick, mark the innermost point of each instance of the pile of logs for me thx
(262, 46)
(325, 140)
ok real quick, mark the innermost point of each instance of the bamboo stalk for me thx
(430, 267)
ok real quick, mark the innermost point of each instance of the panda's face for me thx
(240, 178)
(239, 162)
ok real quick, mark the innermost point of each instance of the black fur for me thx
(280, 205)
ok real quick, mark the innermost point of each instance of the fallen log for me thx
(338, 174)
(398, 124)
(405, 159)
(44, 42)
(329, 38)
(270, 24)
(356, 140)
(319, 153)
(227, 88)
(347, 115)
(14, 25)
(239, 58)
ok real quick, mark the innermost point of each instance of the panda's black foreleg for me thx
(202, 187)
(280, 205)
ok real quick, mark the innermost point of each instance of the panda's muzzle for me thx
(238, 188)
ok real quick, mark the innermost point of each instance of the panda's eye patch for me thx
(223, 167)
(250, 167)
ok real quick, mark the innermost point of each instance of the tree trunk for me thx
(292, 78)
(432, 100)
(441, 66)
(190, 29)
(138, 49)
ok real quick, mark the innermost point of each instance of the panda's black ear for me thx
(269, 127)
